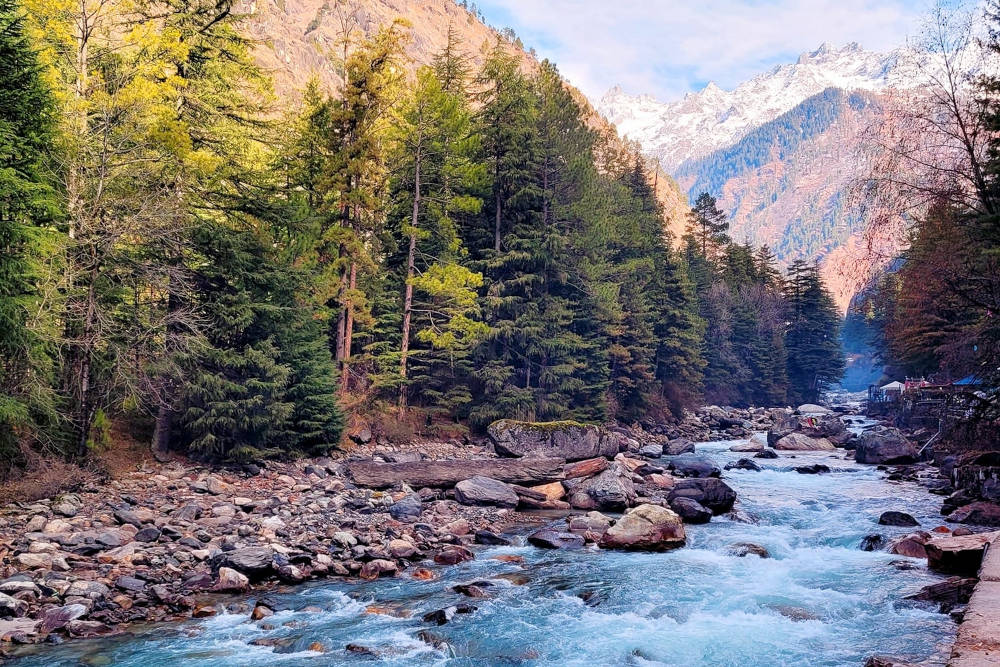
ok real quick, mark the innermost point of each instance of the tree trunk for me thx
(408, 292)
(349, 327)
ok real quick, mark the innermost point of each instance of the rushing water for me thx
(818, 600)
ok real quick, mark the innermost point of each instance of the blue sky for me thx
(669, 47)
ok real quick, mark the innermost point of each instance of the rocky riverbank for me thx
(162, 542)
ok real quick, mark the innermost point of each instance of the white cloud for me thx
(668, 47)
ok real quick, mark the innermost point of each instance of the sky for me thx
(666, 48)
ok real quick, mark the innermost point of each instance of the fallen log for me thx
(448, 473)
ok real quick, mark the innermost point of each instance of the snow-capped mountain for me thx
(713, 118)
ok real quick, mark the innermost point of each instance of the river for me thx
(819, 599)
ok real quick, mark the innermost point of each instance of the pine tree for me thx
(812, 339)
(27, 202)
(708, 225)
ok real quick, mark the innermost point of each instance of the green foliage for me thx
(812, 338)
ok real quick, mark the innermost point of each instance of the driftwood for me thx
(448, 473)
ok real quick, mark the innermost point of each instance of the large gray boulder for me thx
(612, 489)
(255, 562)
(647, 528)
(481, 490)
(570, 440)
(884, 445)
(800, 442)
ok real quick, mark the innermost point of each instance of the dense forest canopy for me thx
(438, 250)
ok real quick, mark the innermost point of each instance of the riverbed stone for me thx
(570, 440)
(690, 510)
(547, 538)
(884, 445)
(894, 518)
(977, 514)
(647, 528)
(485, 491)
(710, 492)
(231, 581)
(800, 442)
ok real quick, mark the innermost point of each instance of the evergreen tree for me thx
(812, 338)
(707, 224)
(27, 202)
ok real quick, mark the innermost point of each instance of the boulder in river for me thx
(678, 446)
(646, 528)
(710, 492)
(756, 443)
(884, 445)
(742, 464)
(800, 442)
(254, 562)
(766, 454)
(569, 440)
(689, 465)
(894, 518)
(912, 545)
(481, 490)
(691, 510)
(744, 549)
(813, 469)
(610, 490)
(553, 539)
(872, 542)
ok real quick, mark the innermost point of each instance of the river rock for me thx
(12, 606)
(569, 440)
(800, 442)
(552, 539)
(485, 491)
(407, 508)
(756, 443)
(977, 514)
(57, 618)
(894, 518)
(710, 492)
(231, 581)
(766, 454)
(376, 568)
(959, 555)
(611, 490)
(651, 451)
(912, 545)
(690, 510)
(742, 464)
(689, 465)
(744, 549)
(678, 446)
(255, 562)
(646, 528)
(453, 555)
(812, 409)
(872, 542)
(884, 445)
(813, 469)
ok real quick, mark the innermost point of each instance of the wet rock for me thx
(884, 445)
(690, 510)
(646, 527)
(766, 454)
(756, 443)
(593, 522)
(442, 616)
(469, 590)
(872, 542)
(958, 555)
(379, 567)
(452, 555)
(894, 518)
(800, 442)
(693, 466)
(710, 492)
(977, 514)
(953, 590)
(552, 539)
(260, 612)
(742, 464)
(485, 491)
(743, 549)
(491, 538)
(911, 545)
(569, 440)
(814, 469)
